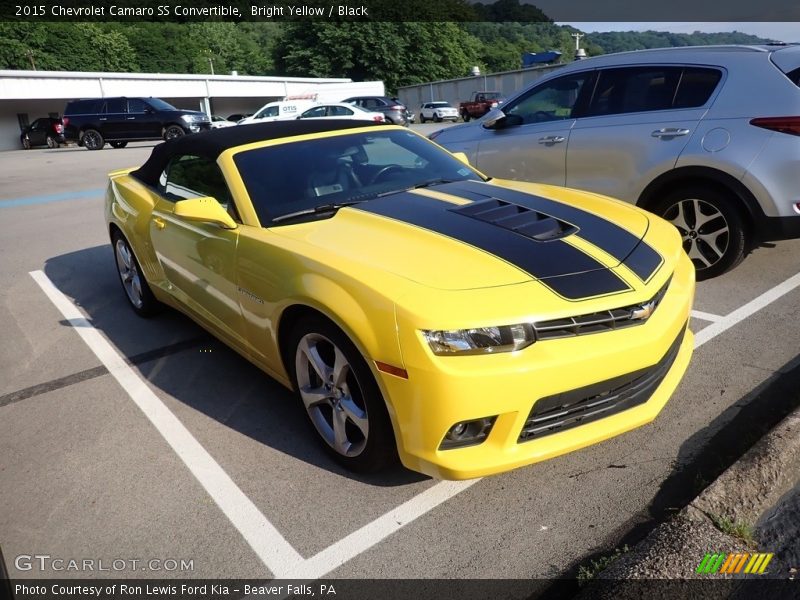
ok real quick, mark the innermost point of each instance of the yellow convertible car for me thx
(420, 310)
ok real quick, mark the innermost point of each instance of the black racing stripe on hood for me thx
(565, 269)
(606, 235)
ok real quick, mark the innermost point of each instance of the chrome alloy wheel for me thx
(332, 395)
(128, 273)
(703, 228)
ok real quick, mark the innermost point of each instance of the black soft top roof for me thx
(210, 144)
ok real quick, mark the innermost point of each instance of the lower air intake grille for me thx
(597, 401)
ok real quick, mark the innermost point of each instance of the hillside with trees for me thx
(399, 53)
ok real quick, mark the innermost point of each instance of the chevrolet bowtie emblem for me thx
(643, 311)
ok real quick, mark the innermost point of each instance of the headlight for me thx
(193, 118)
(481, 340)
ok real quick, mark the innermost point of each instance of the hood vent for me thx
(519, 219)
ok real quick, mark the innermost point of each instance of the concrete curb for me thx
(742, 494)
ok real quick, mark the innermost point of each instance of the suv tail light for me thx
(58, 128)
(790, 125)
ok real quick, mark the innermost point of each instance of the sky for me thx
(785, 32)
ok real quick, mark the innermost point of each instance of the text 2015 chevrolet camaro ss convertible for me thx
(419, 309)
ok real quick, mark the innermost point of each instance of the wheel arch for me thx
(705, 176)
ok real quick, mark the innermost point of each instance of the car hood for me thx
(469, 235)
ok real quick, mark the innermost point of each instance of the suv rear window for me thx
(638, 89)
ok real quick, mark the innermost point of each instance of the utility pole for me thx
(211, 62)
(30, 56)
(578, 37)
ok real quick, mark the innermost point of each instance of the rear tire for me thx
(343, 402)
(711, 226)
(140, 296)
(422, 119)
(51, 142)
(118, 144)
(26, 142)
(93, 139)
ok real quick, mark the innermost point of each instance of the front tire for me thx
(138, 292)
(118, 144)
(173, 132)
(466, 117)
(340, 396)
(711, 226)
(93, 139)
(51, 142)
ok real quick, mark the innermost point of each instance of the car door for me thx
(113, 125)
(198, 259)
(142, 121)
(38, 132)
(635, 127)
(530, 143)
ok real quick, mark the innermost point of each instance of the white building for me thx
(28, 95)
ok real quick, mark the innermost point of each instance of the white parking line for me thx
(741, 313)
(266, 541)
(704, 316)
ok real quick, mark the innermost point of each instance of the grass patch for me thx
(742, 531)
(596, 565)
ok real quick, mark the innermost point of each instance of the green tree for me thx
(399, 54)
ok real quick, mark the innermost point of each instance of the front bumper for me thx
(442, 391)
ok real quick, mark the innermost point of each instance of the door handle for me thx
(131, 118)
(103, 119)
(670, 132)
(552, 139)
(159, 222)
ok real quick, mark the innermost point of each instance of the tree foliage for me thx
(397, 53)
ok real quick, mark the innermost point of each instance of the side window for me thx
(319, 111)
(38, 124)
(634, 89)
(194, 177)
(696, 86)
(339, 111)
(135, 105)
(114, 106)
(551, 101)
(369, 103)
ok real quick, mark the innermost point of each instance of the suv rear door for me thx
(113, 125)
(636, 125)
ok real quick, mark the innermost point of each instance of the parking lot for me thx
(137, 440)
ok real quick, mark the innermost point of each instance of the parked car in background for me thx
(236, 117)
(340, 110)
(393, 110)
(438, 111)
(46, 131)
(218, 122)
(118, 121)
(479, 104)
(276, 111)
(677, 131)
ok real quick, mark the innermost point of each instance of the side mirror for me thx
(462, 157)
(206, 210)
(494, 119)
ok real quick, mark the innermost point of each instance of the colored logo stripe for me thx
(620, 243)
(733, 563)
(565, 269)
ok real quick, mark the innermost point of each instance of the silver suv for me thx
(707, 137)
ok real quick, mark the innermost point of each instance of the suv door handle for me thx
(131, 118)
(670, 132)
(552, 139)
(159, 222)
(103, 119)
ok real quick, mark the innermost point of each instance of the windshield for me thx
(440, 104)
(342, 169)
(159, 104)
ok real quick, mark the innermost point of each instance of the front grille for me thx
(560, 412)
(616, 318)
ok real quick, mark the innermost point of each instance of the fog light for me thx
(467, 433)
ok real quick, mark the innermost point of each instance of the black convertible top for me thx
(210, 144)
